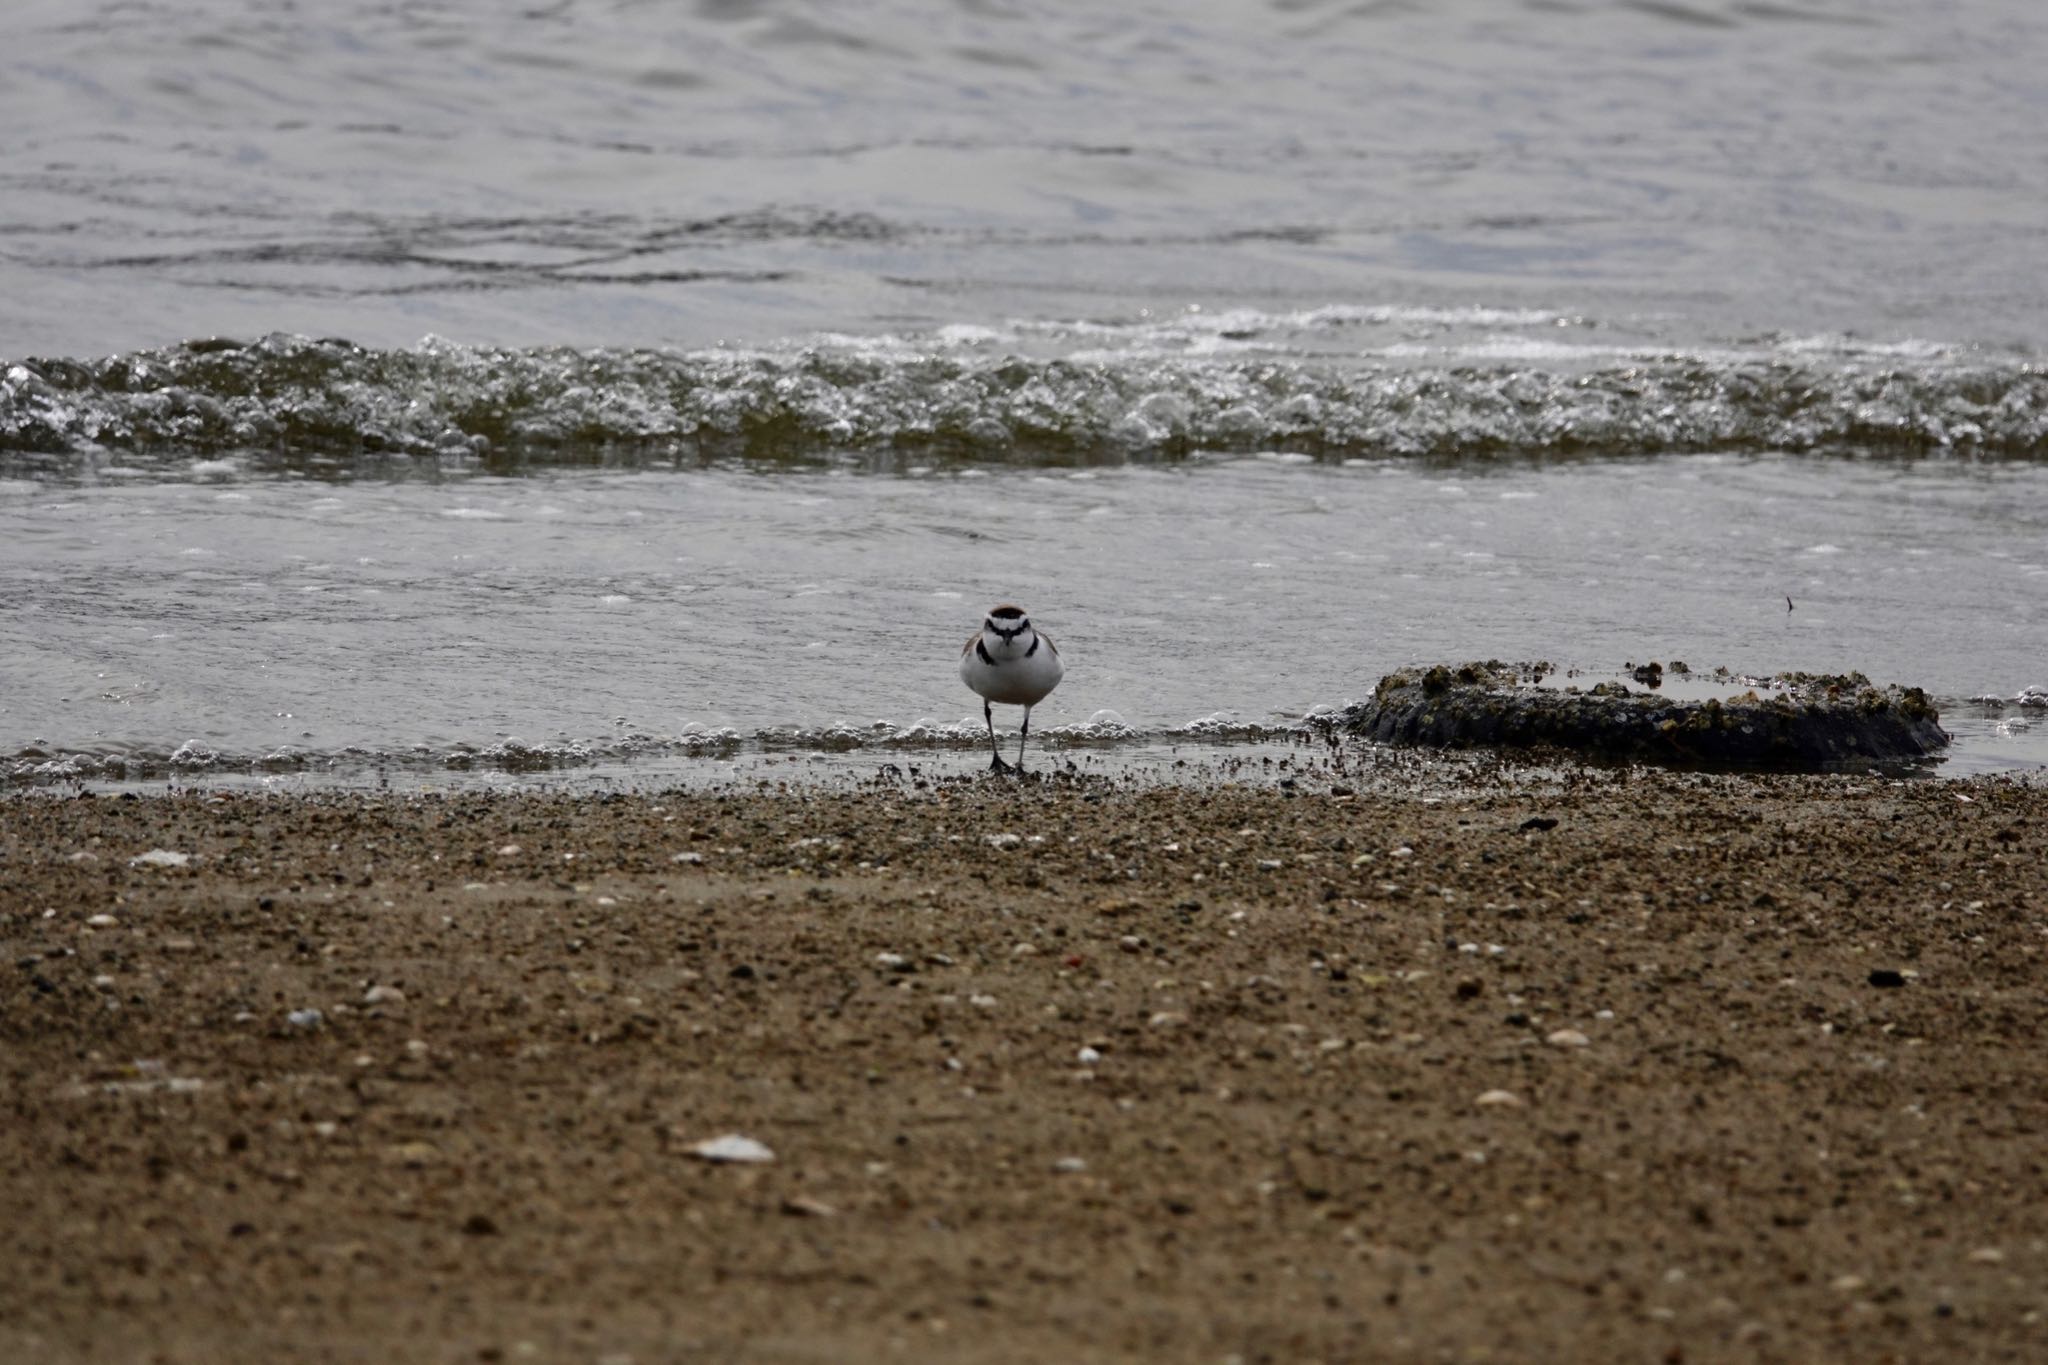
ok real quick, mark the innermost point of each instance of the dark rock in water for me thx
(1801, 721)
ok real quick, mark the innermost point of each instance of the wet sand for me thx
(1728, 1069)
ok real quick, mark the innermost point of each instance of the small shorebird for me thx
(1008, 661)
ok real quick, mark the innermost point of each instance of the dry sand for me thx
(1722, 1069)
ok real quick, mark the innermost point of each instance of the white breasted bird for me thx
(1008, 661)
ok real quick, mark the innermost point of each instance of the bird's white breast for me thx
(1014, 675)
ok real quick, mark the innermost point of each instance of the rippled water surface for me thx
(619, 172)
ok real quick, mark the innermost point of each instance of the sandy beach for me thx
(1641, 1068)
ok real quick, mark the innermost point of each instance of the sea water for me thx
(449, 390)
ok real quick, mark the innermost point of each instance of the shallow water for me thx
(579, 616)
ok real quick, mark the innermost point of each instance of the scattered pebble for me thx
(1568, 1037)
(102, 922)
(1088, 1056)
(687, 858)
(1886, 978)
(732, 1149)
(160, 857)
(803, 1206)
(1069, 1165)
(1500, 1099)
(305, 1019)
(384, 995)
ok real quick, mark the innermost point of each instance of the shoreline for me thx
(1708, 1068)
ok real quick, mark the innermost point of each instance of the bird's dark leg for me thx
(995, 764)
(1023, 734)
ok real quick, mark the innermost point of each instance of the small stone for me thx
(384, 995)
(479, 1225)
(1568, 1037)
(1986, 1256)
(305, 1019)
(1887, 979)
(803, 1206)
(412, 1153)
(1088, 1056)
(1500, 1099)
(179, 945)
(160, 857)
(1168, 1019)
(510, 850)
(692, 858)
(102, 922)
(1069, 1165)
(732, 1149)
(1848, 1284)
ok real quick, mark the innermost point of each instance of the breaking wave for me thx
(1141, 392)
